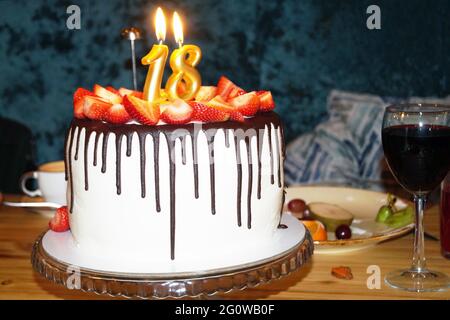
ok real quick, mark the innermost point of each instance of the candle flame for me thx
(177, 29)
(160, 25)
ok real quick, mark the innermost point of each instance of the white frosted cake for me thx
(175, 191)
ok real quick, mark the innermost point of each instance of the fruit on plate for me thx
(142, 111)
(108, 95)
(177, 112)
(60, 221)
(343, 232)
(205, 113)
(95, 108)
(206, 93)
(247, 104)
(401, 218)
(266, 101)
(297, 206)
(78, 102)
(317, 229)
(330, 215)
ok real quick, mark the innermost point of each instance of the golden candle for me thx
(183, 62)
(156, 60)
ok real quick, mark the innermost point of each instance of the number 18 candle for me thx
(156, 60)
(182, 62)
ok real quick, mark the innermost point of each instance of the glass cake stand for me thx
(179, 285)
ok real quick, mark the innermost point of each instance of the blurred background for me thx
(300, 50)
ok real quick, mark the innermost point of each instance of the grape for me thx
(343, 232)
(297, 206)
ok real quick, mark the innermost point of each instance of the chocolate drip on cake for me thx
(142, 162)
(269, 132)
(253, 127)
(250, 182)
(104, 149)
(212, 175)
(97, 137)
(194, 138)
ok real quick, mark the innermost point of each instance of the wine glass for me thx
(416, 144)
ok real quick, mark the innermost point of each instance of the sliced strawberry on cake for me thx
(247, 104)
(227, 89)
(220, 104)
(266, 101)
(206, 93)
(78, 102)
(95, 108)
(108, 95)
(177, 112)
(60, 221)
(117, 114)
(142, 111)
(127, 92)
(205, 113)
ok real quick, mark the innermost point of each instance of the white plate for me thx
(63, 248)
(364, 206)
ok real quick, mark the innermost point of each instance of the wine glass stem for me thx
(419, 261)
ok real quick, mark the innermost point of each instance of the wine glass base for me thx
(418, 281)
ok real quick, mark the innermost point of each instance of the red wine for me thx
(418, 156)
(445, 221)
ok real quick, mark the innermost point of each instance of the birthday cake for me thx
(174, 190)
(186, 173)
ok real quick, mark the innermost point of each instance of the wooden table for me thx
(19, 228)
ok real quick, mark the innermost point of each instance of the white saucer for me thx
(63, 248)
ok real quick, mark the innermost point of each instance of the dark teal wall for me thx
(299, 49)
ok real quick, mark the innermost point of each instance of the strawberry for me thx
(177, 112)
(125, 92)
(142, 111)
(247, 104)
(78, 102)
(108, 95)
(225, 87)
(266, 99)
(112, 89)
(117, 114)
(95, 108)
(60, 221)
(237, 116)
(206, 93)
(207, 114)
(220, 104)
(235, 93)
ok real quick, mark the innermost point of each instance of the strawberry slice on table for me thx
(247, 104)
(78, 102)
(142, 111)
(95, 108)
(225, 87)
(266, 101)
(127, 92)
(117, 114)
(60, 221)
(177, 112)
(205, 113)
(206, 93)
(108, 95)
(220, 104)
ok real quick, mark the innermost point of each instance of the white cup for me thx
(51, 182)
